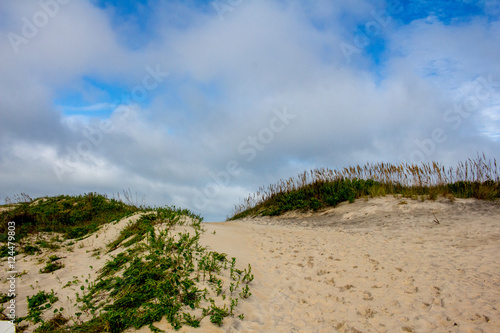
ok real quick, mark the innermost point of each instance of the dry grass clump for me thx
(323, 187)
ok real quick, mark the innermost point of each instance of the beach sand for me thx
(377, 265)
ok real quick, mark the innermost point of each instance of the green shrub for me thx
(51, 267)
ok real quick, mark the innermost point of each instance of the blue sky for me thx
(198, 103)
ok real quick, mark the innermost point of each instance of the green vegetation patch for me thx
(167, 216)
(313, 197)
(168, 275)
(51, 266)
(6, 251)
(38, 303)
(31, 249)
(74, 216)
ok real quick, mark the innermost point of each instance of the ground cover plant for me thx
(38, 303)
(168, 275)
(321, 188)
(158, 269)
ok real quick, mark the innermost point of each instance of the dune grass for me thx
(320, 188)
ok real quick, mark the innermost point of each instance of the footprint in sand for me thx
(321, 272)
(367, 296)
(310, 263)
(330, 282)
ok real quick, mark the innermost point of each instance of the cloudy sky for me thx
(198, 103)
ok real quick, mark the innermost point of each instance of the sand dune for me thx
(377, 265)
(382, 265)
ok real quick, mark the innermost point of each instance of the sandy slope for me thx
(371, 266)
(378, 265)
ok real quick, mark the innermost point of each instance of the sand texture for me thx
(378, 265)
